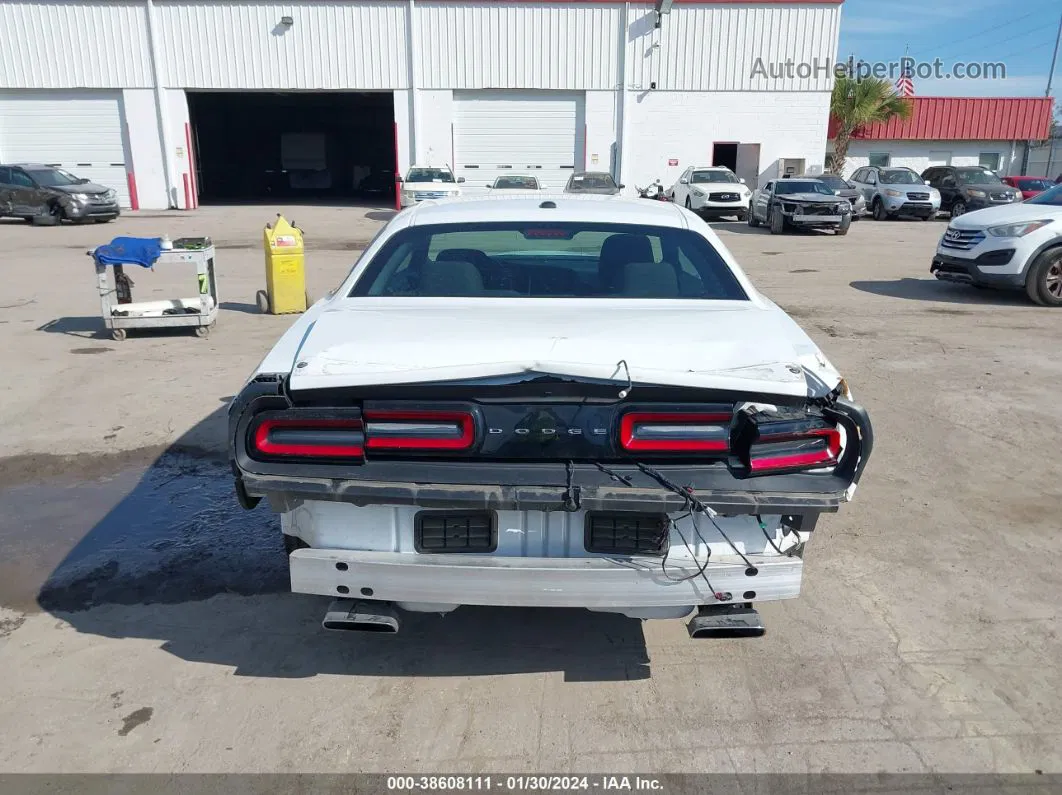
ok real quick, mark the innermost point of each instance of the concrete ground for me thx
(145, 625)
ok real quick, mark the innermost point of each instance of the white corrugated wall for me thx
(715, 47)
(518, 45)
(100, 44)
(330, 45)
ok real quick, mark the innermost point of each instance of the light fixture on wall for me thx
(662, 7)
(287, 22)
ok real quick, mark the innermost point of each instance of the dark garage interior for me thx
(262, 145)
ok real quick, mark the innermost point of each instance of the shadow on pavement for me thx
(381, 215)
(935, 290)
(84, 327)
(163, 551)
(237, 306)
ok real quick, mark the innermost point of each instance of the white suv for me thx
(712, 192)
(428, 182)
(1017, 246)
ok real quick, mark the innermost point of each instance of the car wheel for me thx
(742, 216)
(777, 222)
(752, 219)
(846, 224)
(49, 215)
(880, 213)
(959, 208)
(689, 204)
(1044, 282)
(261, 300)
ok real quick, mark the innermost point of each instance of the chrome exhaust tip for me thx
(350, 616)
(726, 621)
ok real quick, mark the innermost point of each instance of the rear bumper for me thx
(595, 583)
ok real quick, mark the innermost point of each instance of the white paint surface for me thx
(80, 131)
(920, 155)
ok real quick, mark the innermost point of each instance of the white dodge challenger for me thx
(550, 401)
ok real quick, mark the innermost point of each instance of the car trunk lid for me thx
(703, 344)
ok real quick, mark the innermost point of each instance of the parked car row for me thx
(48, 195)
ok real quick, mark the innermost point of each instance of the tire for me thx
(118, 334)
(1044, 282)
(958, 208)
(309, 301)
(842, 230)
(930, 217)
(777, 223)
(689, 204)
(742, 216)
(53, 215)
(880, 213)
(752, 219)
(202, 331)
(261, 300)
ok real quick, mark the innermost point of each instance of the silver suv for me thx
(890, 192)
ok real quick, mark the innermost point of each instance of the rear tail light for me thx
(399, 429)
(298, 437)
(675, 432)
(793, 446)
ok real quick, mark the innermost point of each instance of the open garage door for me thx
(312, 145)
(507, 132)
(80, 131)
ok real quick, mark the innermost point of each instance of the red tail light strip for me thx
(827, 455)
(665, 432)
(310, 438)
(419, 430)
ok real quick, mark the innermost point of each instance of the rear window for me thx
(561, 260)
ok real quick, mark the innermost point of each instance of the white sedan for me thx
(562, 401)
(712, 192)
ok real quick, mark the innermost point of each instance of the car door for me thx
(682, 187)
(763, 201)
(6, 190)
(949, 189)
(24, 198)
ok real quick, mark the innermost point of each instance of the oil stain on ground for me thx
(170, 533)
(134, 719)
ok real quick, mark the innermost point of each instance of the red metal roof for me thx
(966, 119)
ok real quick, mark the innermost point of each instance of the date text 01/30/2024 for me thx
(521, 783)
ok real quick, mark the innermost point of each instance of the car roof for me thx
(567, 208)
(28, 165)
(711, 168)
(592, 174)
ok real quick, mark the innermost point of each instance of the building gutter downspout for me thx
(161, 107)
(621, 158)
(414, 100)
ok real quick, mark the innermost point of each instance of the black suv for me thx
(966, 188)
(49, 195)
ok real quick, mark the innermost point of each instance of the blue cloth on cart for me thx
(142, 251)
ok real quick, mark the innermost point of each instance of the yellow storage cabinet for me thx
(285, 264)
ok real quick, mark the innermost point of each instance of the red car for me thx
(1029, 186)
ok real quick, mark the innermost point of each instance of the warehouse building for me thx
(173, 102)
(994, 132)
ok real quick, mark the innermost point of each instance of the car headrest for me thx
(616, 252)
(649, 280)
(450, 278)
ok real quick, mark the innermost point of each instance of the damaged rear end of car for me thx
(654, 458)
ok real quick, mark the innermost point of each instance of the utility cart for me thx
(121, 313)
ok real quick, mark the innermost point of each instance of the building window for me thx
(879, 159)
(989, 160)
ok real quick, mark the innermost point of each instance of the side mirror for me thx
(684, 181)
(460, 179)
(926, 181)
(490, 185)
(83, 181)
(742, 180)
(398, 178)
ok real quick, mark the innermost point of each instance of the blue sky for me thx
(1019, 33)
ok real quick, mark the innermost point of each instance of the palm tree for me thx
(859, 103)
